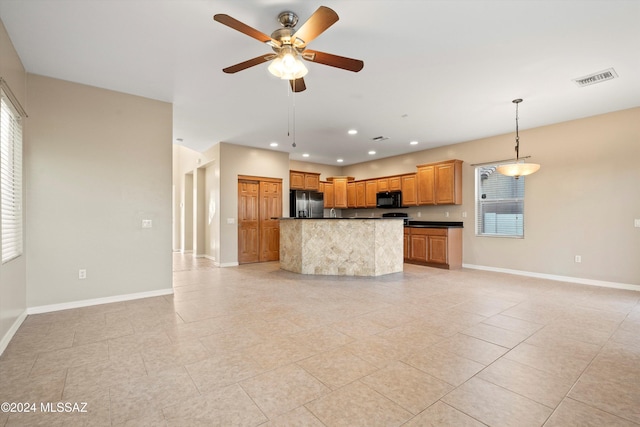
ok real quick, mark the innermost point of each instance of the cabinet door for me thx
(329, 198)
(361, 193)
(395, 183)
(426, 185)
(407, 243)
(311, 181)
(351, 195)
(437, 249)
(296, 180)
(371, 189)
(409, 191)
(383, 184)
(340, 193)
(448, 183)
(418, 247)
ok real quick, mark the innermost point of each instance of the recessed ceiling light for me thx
(352, 132)
(414, 143)
(274, 144)
(305, 155)
(340, 160)
(372, 152)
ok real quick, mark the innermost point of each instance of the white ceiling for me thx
(437, 72)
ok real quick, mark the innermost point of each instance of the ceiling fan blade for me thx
(244, 28)
(317, 23)
(297, 85)
(249, 63)
(348, 64)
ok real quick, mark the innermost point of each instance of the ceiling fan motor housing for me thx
(288, 19)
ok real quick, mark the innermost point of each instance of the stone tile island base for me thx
(342, 247)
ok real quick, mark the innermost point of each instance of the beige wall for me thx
(97, 163)
(583, 201)
(13, 279)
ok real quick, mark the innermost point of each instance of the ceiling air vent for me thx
(380, 138)
(598, 77)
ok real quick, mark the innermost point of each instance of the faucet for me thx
(332, 213)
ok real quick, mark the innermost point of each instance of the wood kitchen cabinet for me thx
(371, 190)
(329, 194)
(339, 190)
(435, 247)
(351, 195)
(395, 183)
(440, 183)
(361, 193)
(382, 184)
(304, 180)
(409, 190)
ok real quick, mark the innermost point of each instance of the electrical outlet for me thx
(636, 223)
(464, 214)
(82, 274)
(419, 214)
(147, 223)
(446, 214)
(578, 258)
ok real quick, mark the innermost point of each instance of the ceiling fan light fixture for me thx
(287, 65)
(518, 168)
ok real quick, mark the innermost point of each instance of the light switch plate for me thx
(636, 223)
(147, 223)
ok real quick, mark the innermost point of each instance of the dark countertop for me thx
(435, 224)
(351, 217)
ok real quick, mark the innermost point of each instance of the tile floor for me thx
(254, 345)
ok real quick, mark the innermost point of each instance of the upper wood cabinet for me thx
(361, 192)
(409, 190)
(440, 183)
(395, 183)
(304, 180)
(383, 184)
(371, 190)
(425, 180)
(329, 194)
(351, 195)
(340, 190)
(449, 182)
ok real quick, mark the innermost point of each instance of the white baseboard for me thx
(227, 264)
(4, 342)
(97, 301)
(579, 280)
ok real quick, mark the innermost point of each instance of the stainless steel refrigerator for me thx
(306, 204)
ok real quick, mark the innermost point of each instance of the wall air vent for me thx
(380, 138)
(598, 77)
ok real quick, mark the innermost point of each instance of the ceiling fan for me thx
(290, 45)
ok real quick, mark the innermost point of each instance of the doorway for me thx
(259, 201)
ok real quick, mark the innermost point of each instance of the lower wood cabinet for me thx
(435, 247)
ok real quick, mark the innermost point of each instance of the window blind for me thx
(10, 179)
(499, 204)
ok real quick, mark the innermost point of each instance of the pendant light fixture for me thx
(518, 168)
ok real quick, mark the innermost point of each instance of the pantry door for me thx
(259, 202)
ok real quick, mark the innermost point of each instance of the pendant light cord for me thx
(517, 101)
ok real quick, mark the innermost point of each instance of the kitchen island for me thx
(342, 246)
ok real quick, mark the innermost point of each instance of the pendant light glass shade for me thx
(287, 65)
(517, 168)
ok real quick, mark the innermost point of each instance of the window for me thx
(10, 178)
(499, 203)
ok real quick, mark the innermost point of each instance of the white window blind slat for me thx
(10, 180)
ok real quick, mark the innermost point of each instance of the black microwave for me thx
(389, 199)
